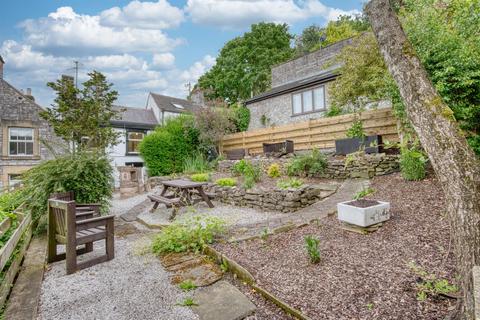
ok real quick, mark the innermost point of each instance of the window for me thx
(20, 141)
(14, 179)
(133, 141)
(308, 101)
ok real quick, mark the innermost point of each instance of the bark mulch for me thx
(361, 276)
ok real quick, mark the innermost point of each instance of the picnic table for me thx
(177, 193)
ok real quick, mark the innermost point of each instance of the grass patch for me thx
(187, 302)
(200, 177)
(291, 183)
(187, 285)
(226, 182)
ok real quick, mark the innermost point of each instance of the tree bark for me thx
(454, 162)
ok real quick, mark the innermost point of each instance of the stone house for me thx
(21, 134)
(299, 89)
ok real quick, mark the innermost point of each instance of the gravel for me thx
(361, 276)
(132, 286)
(120, 206)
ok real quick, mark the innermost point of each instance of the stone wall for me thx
(355, 166)
(307, 65)
(278, 111)
(273, 200)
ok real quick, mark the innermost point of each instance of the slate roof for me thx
(135, 118)
(320, 78)
(166, 103)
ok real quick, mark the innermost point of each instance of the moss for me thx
(448, 113)
(408, 49)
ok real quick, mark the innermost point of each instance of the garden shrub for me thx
(166, 149)
(240, 117)
(251, 173)
(310, 163)
(356, 130)
(291, 183)
(226, 182)
(191, 234)
(412, 164)
(88, 174)
(273, 170)
(200, 177)
(311, 244)
(196, 163)
(10, 201)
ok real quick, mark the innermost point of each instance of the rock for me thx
(201, 272)
(222, 301)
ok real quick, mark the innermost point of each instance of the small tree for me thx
(212, 124)
(82, 116)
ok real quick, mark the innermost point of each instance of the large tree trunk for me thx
(455, 163)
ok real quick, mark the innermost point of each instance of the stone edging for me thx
(248, 278)
(476, 290)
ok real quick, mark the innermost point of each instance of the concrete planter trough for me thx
(363, 213)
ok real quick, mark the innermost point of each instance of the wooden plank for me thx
(10, 246)
(12, 271)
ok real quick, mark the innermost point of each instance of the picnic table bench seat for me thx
(167, 201)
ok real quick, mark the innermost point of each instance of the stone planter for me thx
(363, 216)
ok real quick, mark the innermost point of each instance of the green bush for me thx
(191, 234)
(307, 164)
(197, 163)
(10, 201)
(239, 168)
(166, 149)
(200, 177)
(356, 130)
(274, 170)
(241, 117)
(251, 174)
(291, 183)
(333, 111)
(412, 164)
(226, 182)
(87, 174)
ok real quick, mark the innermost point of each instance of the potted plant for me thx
(363, 212)
(356, 140)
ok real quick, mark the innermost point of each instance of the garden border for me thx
(244, 275)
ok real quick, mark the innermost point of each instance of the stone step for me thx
(222, 301)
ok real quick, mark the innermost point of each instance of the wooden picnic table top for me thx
(183, 184)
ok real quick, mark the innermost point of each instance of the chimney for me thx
(28, 94)
(1, 67)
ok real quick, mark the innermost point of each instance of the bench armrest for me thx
(94, 222)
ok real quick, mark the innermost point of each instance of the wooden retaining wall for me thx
(12, 253)
(319, 133)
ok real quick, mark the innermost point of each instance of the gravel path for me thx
(360, 276)
(132, 286)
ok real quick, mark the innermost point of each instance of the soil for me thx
(361, 276)
(363, 203)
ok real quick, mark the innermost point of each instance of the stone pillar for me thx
(131, 181)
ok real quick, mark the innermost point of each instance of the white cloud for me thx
(241, 13)
(163, 60)
(68, 31)
(144, 15)
(197, 69)
(124, 61)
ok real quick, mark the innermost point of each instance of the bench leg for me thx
(88, 247)
(174, 212)
(110, 240)
(155, 206)
(71, 255)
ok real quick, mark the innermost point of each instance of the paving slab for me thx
(222, 301)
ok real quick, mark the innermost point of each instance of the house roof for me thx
(320, 78)
(134, 118)
(22, 97)
(172, 104)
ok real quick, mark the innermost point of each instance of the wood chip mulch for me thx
(361, 276)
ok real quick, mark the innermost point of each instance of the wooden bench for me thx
(70, 196)
(169, 202)
(65, 226)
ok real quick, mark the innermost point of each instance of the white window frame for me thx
(18, 141)
(315, 108)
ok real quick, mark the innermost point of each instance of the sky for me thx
(141, 46)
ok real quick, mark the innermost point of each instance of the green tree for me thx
(243, 65)
(82, 116)
(309, 39)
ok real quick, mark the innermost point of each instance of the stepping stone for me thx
(132, 213)
(155, 220)
(201, 272)
(173, 259)
(222, 301)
